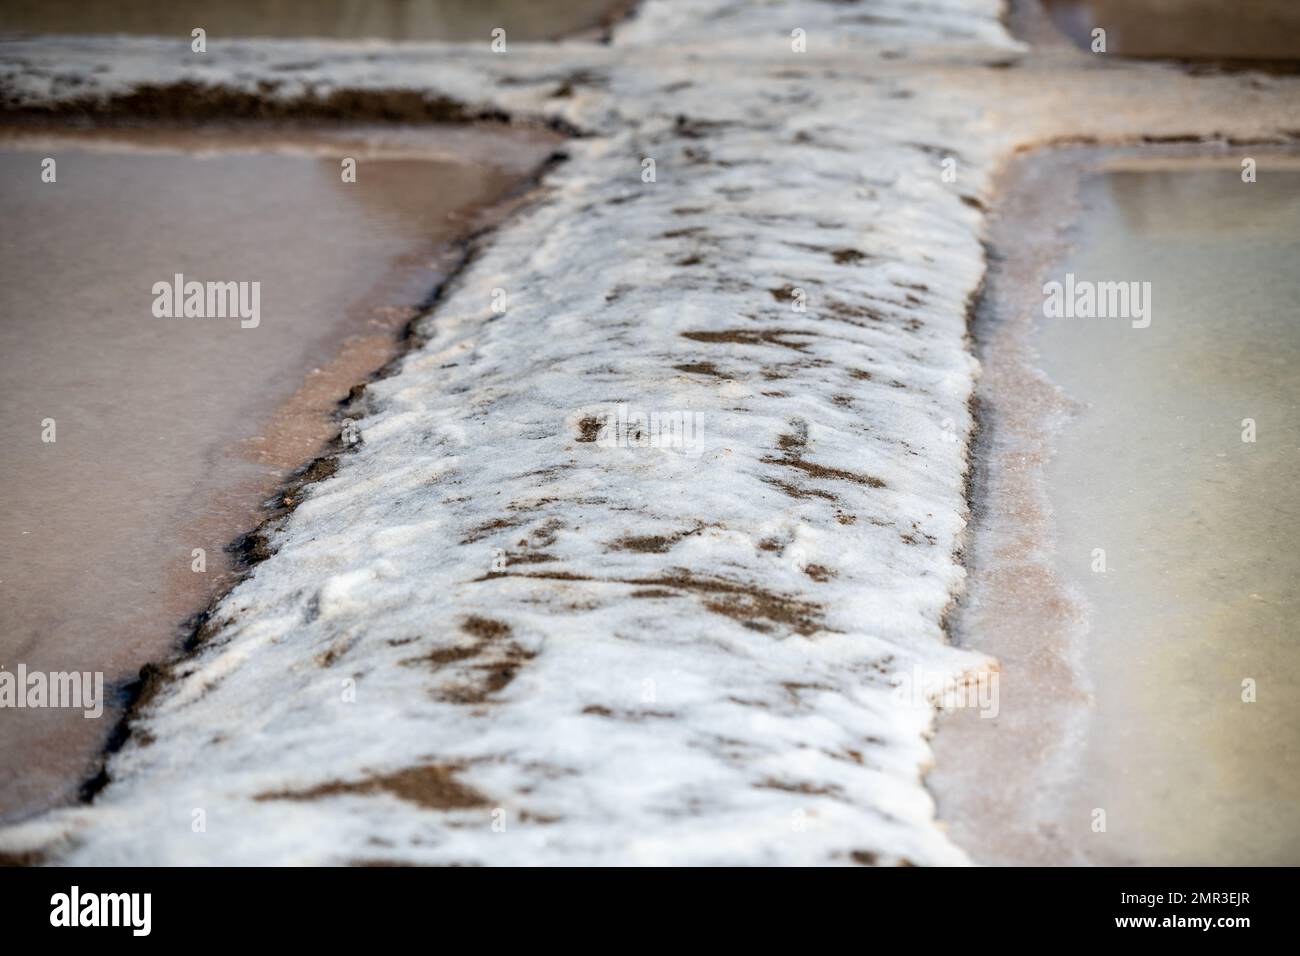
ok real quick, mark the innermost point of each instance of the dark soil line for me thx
(191, 102)
(1215, 138)
(618, 14)
(972, 475)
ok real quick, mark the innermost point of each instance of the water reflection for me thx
(1202, 585)
(1133, 564)
(453, 20)
(172, 432)
(1191, 29)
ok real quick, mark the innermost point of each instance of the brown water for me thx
(1240, 30)
(453, 20)
(172, 432)
(1161, 687)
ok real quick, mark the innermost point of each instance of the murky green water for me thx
(456, 20)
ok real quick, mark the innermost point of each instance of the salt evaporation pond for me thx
(1245, 31)
(451, 20)
(1134, 560)
(171, 433)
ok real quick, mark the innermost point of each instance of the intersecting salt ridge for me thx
(690, 657)
(898, 23)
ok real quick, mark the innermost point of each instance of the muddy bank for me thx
(171, 433)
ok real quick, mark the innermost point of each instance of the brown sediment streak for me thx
(433, 787)
(755, 607)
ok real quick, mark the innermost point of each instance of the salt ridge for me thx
(688, 656)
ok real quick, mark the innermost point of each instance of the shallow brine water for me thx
(1229, 30)
(452, 20)
(1134, 561)
(169, 433)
